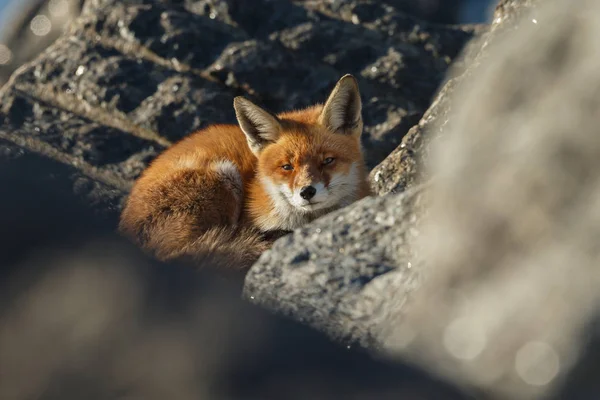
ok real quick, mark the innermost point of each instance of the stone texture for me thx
(500, 297)
(128, 79)
(83, 315)
(406, 165)
(514, 202)
(332, 274)
(369, 10)
(399, 73)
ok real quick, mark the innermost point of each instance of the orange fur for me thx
(205, 198)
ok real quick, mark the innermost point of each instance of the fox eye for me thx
(287, 167)
(328, 160)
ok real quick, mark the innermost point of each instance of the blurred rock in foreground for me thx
(510, 247)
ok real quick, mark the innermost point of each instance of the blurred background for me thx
(27, 27)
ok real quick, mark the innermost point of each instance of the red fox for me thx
(221, 191)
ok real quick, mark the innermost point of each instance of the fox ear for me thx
(342, 112)
(260, 126)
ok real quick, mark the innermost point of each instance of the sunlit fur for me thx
(219, 189)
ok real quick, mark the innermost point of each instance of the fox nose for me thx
(307, 192)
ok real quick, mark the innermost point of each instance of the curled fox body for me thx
(217, 193)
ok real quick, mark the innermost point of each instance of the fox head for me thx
(308, 160)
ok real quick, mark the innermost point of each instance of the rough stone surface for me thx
(406, 165)
(484, 300)
(500, 297)
(128, 79)
(332, 274)
(369, 10)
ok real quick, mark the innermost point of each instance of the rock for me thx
(513, 207)
(332, 273)
(406, 165)
(85, 315)
(238, 66)
(390, 70)
(30, 157)
(511, 10)
(360, 11)
(500, 297)
(128, 79)
(445, 12)
(257, 19)
(509, 303)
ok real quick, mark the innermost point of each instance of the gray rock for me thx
(361, 11)
(398, 71)
(510, 300)
(501, 295)
(258, 18)
(257, 66)
(334, 273)
(128, 79)
(406, 165)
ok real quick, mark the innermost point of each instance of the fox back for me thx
(225, 192)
